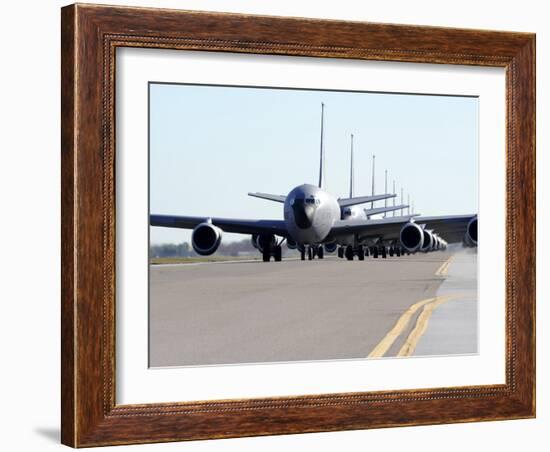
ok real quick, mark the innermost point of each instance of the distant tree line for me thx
(171, 250)
(186, 250)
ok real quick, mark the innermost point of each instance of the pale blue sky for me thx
(211, 145)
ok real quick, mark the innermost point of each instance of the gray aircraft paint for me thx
(310, 214)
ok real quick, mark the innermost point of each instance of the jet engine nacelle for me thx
(206, 239)
(437, 242)
(411, 237)
(429, 241)
(291, 244)
(470, 239)
(330, 247)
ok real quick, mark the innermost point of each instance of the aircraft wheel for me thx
(384, 253)
(361, 254)
(309, 253)
(320, 252)
(303, 255)
(398, 252)
(367, 251)
(349, 253)
(266, 255)
(278, 254)
(375, 253)
(391, 251)
(341, 252)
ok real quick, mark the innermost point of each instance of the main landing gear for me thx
(274, 249)
(276, 252)
(349, 252)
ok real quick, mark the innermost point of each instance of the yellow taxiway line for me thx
(397, 329)
(428, 306)
(444, 269)
(422, 325)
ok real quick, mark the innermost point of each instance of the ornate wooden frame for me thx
(90, 35)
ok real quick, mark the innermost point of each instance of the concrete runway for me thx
(253, 312)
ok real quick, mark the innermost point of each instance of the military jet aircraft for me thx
(312, 217)
(350, 246)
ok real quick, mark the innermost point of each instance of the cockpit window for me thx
(312, 200)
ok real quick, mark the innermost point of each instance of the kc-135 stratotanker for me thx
(315, 221)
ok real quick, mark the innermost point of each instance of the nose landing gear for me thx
(311, 251)
(320, 252)
(314, 251)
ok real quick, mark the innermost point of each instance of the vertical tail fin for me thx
(322, 158)
(385, 189)
(394, 198)
(351, 190)
(373, 167)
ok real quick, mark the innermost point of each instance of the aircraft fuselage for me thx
(310, 213)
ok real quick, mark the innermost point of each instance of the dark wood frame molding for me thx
(90, 34)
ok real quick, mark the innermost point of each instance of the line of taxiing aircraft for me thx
(315, 222)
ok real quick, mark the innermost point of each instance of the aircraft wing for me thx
(239, 226)
(269, 197)
(346, 202)
(451, 228)
(378, 210)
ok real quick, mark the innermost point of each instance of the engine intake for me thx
(437, 242)
(471, 233)
(429, 241)
(330, 247)
(291, 244)
(206, 239)
(411, 237)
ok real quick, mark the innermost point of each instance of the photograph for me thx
(290, 224)
(269, 225)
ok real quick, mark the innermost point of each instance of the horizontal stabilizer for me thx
(269, 197)
(378, 210)
(346, 202)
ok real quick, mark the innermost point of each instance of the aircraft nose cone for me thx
(303, 214)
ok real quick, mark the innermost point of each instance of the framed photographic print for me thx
(281, 225)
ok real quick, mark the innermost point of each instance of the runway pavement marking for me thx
(388, 340)
(444, 269)
(421, 326)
